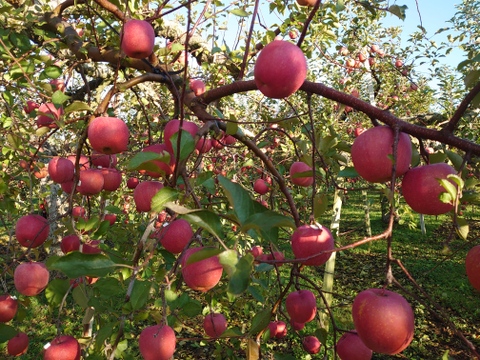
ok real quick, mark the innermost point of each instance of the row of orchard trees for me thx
(141, 229)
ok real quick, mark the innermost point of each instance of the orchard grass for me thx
(434, 259)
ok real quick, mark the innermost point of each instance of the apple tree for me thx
(168, 170)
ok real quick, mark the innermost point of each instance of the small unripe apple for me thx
(64, 347)
(91, 182)
(201, 275)
(372, 154)
(32, 230)
(301, 305)
(8, 307)
(157, 342)
(175, 236)
(197, 86)
(351, 347)
(18, 345)
(421, 189)
(137, 39)
(311, 344)
(301, 174)
(108, 135)
(384, 320)
(143, 194)
(31, 278)
(61, 170)
(280, 69)
(472, 265)
(214, 324)
(70, 243)
(260, 186)
(308, 240)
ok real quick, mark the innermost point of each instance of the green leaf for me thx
(239, 198)
(265, 223)
(228, 259)
(322, 335)
(462, 228)
(348, 172)
(143, 160)
(140, 292)
(456, 159)
(162, 197)
(6, 332)
(320, 205)
(232, 127)
(56, 290)
(192, 308)
(398, 11)
(240, 279)
(58, 97)
(205, 219)
(51, 72)
(187, 144)
(77, 106)
(450, 189)
(80, 297)
(369, 7)
(239, 12)
(340, 6)
(76, 264)
(260, 321)
(203, 254)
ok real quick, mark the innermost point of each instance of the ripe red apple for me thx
(358, 131)
(132, 182)
(301, 305)
(137, 39)
(143, 194)
(91, 247)
(57, 84)
(160, 168)
(175, 236)
(201, 275)
(78, 212)
(157, 342)
(173, 127)
(61, 170)
(112, 179)
(108, 135)
(104, 160)
(350, 63)
(214, 324)
(296, 325)
(91, 182)
(372, 154)
(30, 106)
(276, 255)
(421, 189)
(47, 114)
(31, 278)
(70, 243)
(311, 344)
(197, 86)
(308, 240)
(280, 69)
(374, 48)
(83, 161)
(32, 230)
(203, 145)
(8, 307)
(398, 63)
(278, 329)
(18, 345)
(63, 347)
(306, 2)
(472, 265)
(256, 251)
(351, 347)
(260, 186)
(296, 174)
(228, 139)
(384, 320)
(111, 218)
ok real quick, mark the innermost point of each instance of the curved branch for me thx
(452, 124)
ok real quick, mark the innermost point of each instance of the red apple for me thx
(358, 131)
(256, 251)
(260, 186)
(301, 174)
(228, 139)
(78, 212)
(91, 247)
(384, 320)
(143, 194)
(108, 135)
(372, 154)
(201, 275)
(64, 347)
(280, 69)
(83, 161)
(47, 114)
(374, 48)
(18, 345)
(296, 325)
(173, 127)
(91, 182)
(276, 255)
(61, 170)
(472, 265)
(301, 305)
(8, 307)
(159, 167)
(351, 347)
(111, 218)
(104, 160)
(306, 2)
(350, 63)
(421, 189)
(157, 342)
(31, 278)
(214, 324)
(137, 38)
(203, 145)
(70, 243)
(112, 179)
(30, 106)
(132, 182)
(57, 84)
(311, 344)
(308, 240)
(32, 230)
(175, 236)
(278, 329)
(398, 63)
(197, 86)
